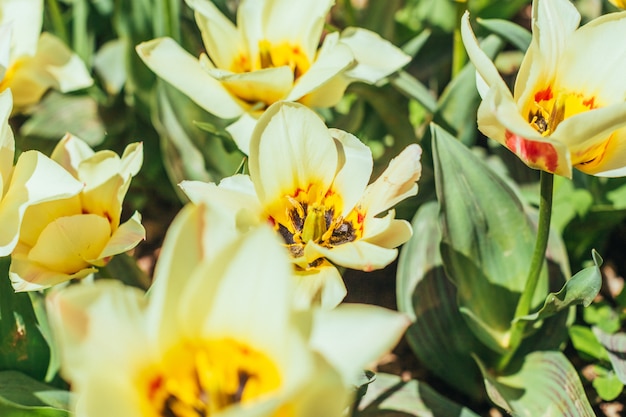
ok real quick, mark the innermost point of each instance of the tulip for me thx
(36, 61)
(69, 238)
(311, 184)
(213, 338)
(272, 54)
(567, 109)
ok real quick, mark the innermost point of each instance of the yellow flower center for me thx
(308, 216)
(549, 109)
(200, 379)
(271, 56)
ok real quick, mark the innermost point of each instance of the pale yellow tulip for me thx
(311, 184)
(36, 61)
(216, 336)
(272, 54)
(66, 239)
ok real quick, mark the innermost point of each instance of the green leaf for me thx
(545, 385)
(603, 316)
(439, 336)
(22, 396)
(569, 202)
(487, 240)
(512, 32)
(389, 396)
(58, 114)
(615, 345)
(582, 288)
(413, 88)
(586, 343)
(22, 346)
(607, 384)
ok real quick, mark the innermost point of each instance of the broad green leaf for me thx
(545, 385)
(568, 202)
(603, 315)
(458, 104)
(487, 240)
(58, 114)
(582, 288)
(512, 32)
(22, 346)
(587, 344)
(390, 396)
(22, 396)
(615, 345)
(607, 384)
(439, 336)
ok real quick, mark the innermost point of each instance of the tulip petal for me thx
(7, 141)
(340, 335)
(387, 232)
(241, 132)
(67, 69)
(6, 31)
(290, 150)
(126, 237)
(368, 48)
(26, 17)
(70, 152)
(31, 276)
(221, 38)
(179, 68)
(36, 179)
(610, 163)
(64, 246)
(356, 165)
(396, 183)
(601, 69)
(252, 278)
(327, 94)
(358, 254)
(332, 59)
(262, 86)
(320, 286)
(484, 67)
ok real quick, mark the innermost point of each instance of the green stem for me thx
(459, 57)
(57, 21)
(524, 305)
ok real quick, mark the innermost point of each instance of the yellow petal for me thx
(68, 243)
(126, 237)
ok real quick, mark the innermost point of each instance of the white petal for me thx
(321, 286)
(291, 149)
(241, 131)
(387, 232)
(126, 237)
(70, 152)
(376, 57)
(221, 38)
(67, 69)
(353, 336)
(179, 68)
(613, 162)
(247, 292)
(264, 86)
(333, 59)
(7, 141)
(356, 255)
(26, 17)
(110, 63)
(484, 66)
(355, 161)
(6, 33)
(396, 183)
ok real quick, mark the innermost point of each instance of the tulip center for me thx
(272, 56)
(301, 218)
(549, 109)
(200, 379)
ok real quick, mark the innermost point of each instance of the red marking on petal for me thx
(543, 95)
(271, 221)
(533, 151)
(590, 103)
(154, 386)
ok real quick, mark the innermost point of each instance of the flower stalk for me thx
(546, 181)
